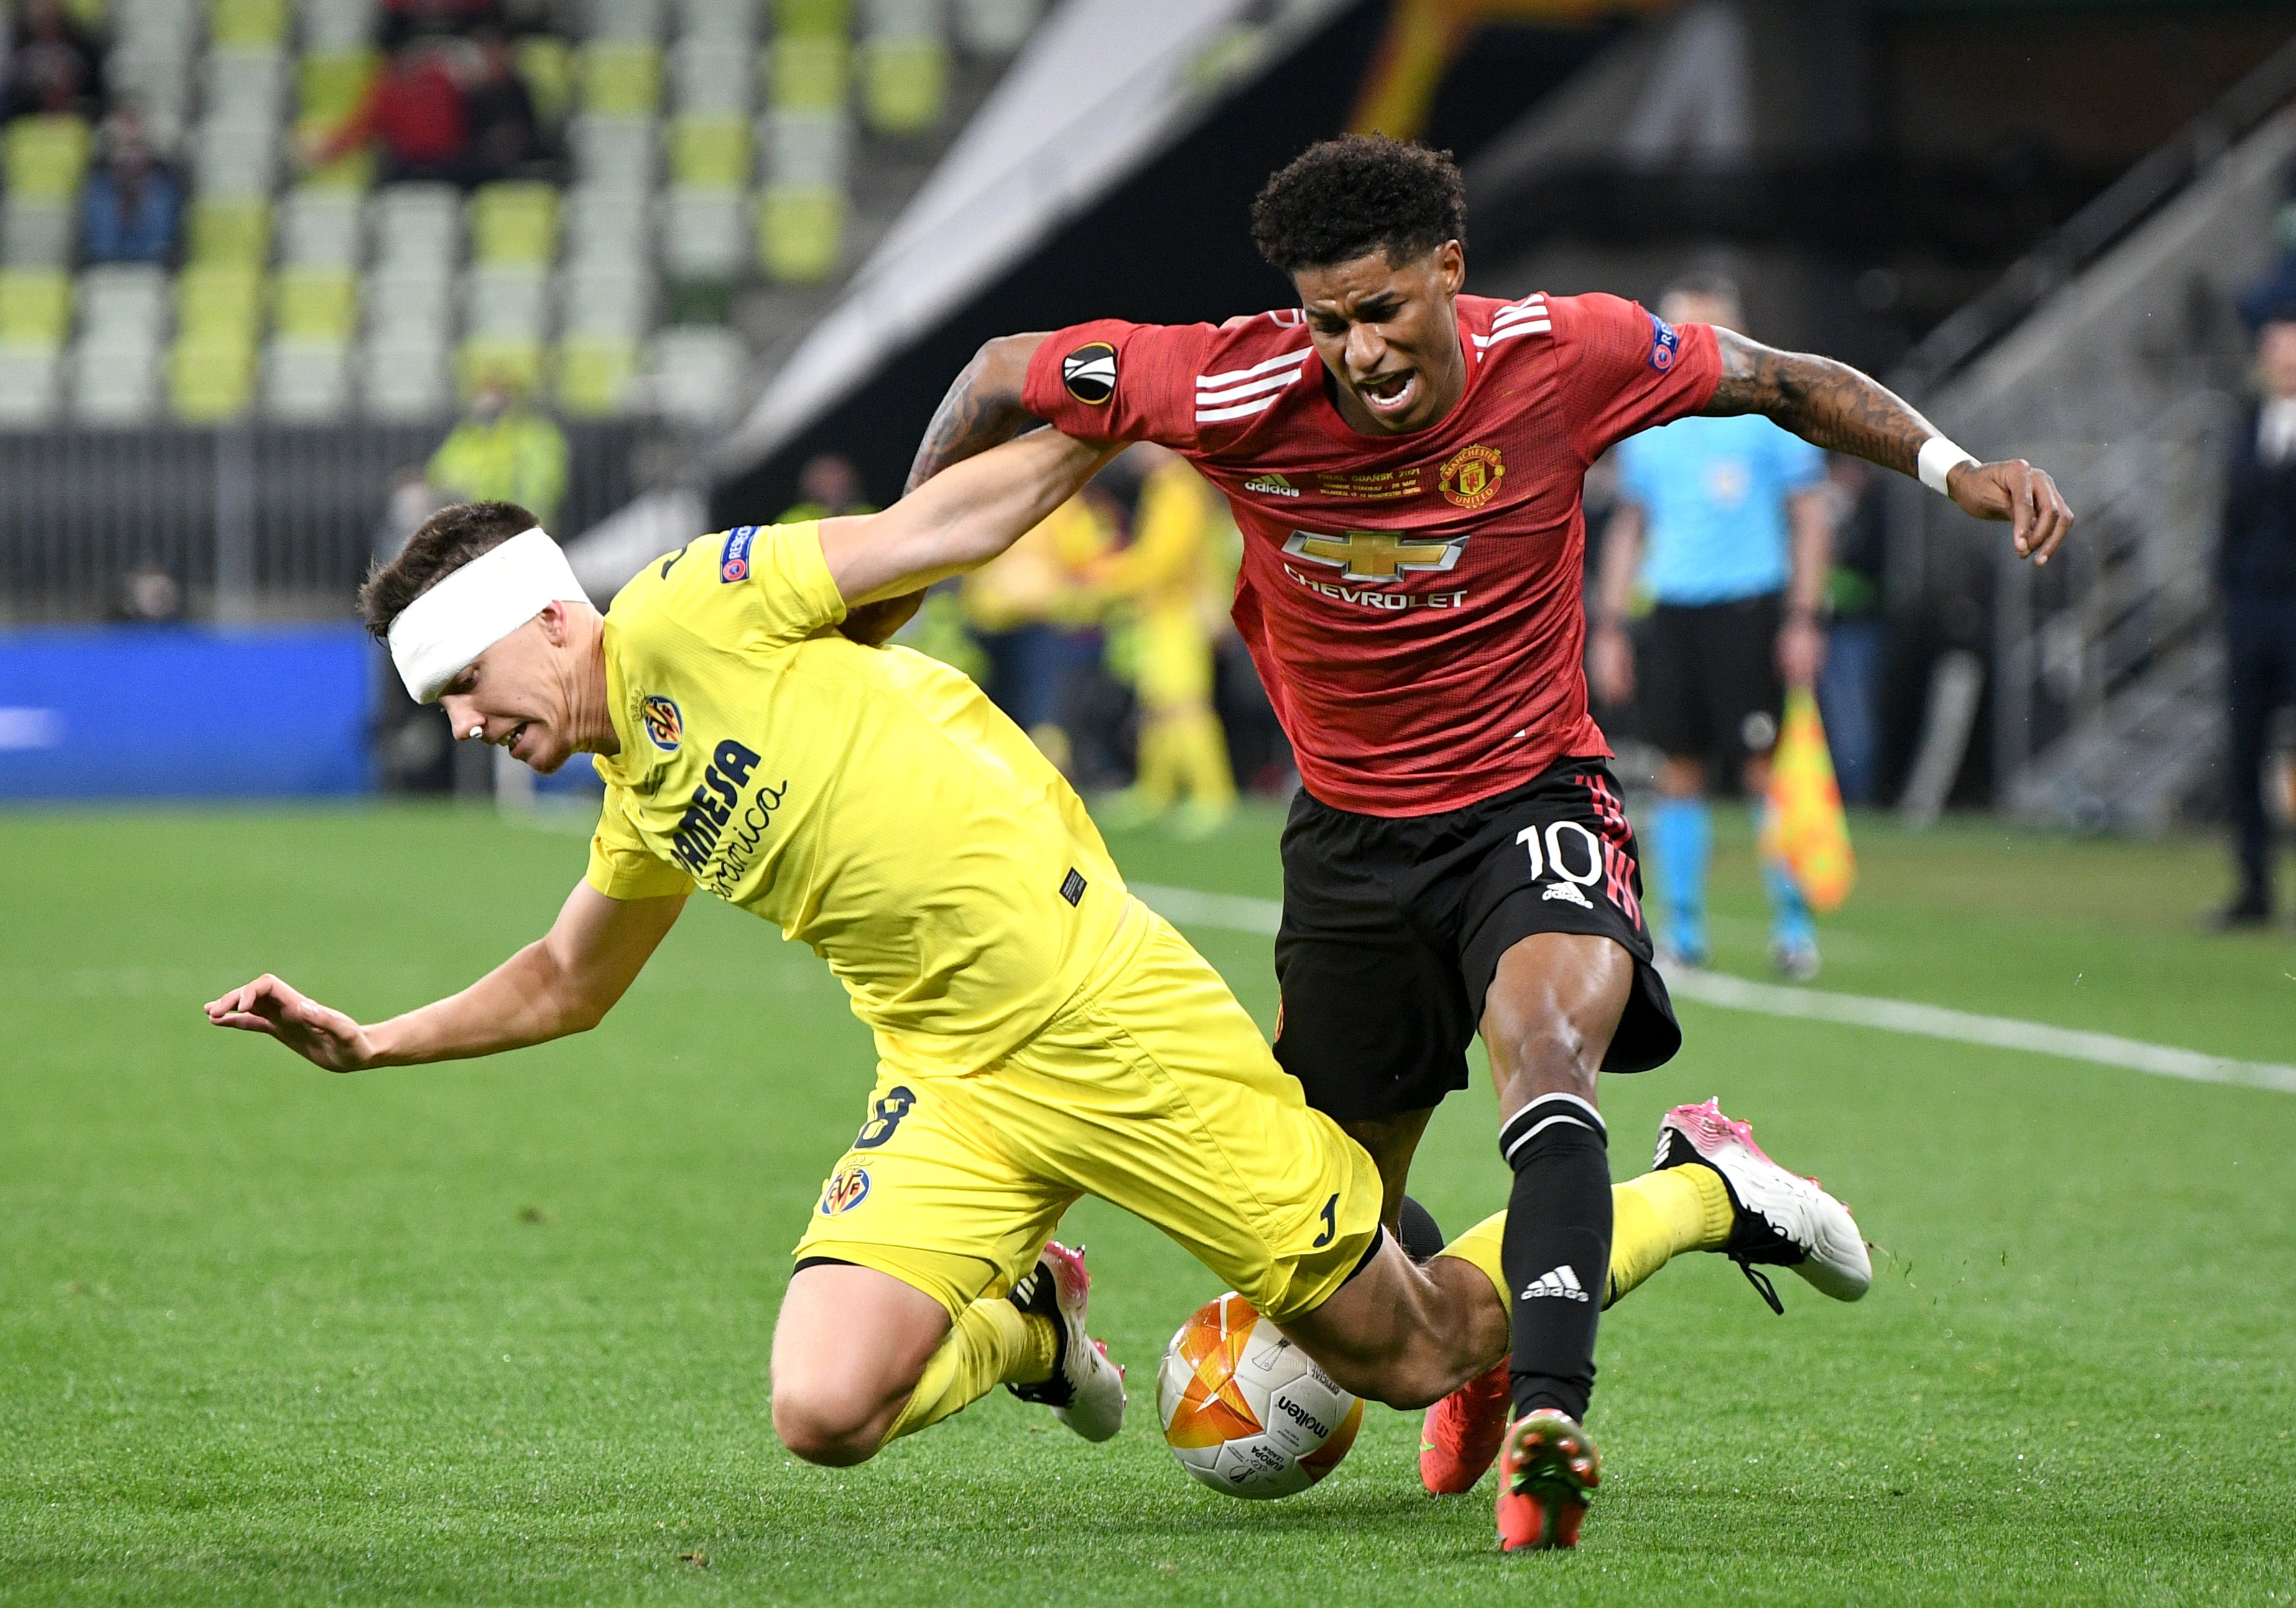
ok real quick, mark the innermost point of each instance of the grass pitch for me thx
(498, 1333)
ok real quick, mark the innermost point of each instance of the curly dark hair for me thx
(447, 541)
(1343, 199)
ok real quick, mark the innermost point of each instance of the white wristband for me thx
(1940, 458)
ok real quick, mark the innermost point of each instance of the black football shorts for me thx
(1706, 681)
(1393, 928)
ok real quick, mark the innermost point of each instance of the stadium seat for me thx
(697, 374)
(210, 374)
(904, 84)
(219, 296)
(233, 159)
(607, 229)
(621, 77)
(27, 386)
(594, 374)
(156, 78)
(484, 360)
(808, 149)
(710, 75)
(413, 306)
(614, 153)
(124, 301)
(403, 377)
(805, 72)
(608, 299)
(330, 85)
(624, 20)
(830, 19)
(996, 28)
(329, 27)
(231, 229)
(246, 87)
(722, 23)
(416, 226)
(37, 233)
(507, 302)
(305, 381)
(35, 306)
(547, 64)
(319, 228)
(247, 22)
(45, 158)
(702, 234)
(711, 152)
(315, 305)
(114, 380)
(515, 222)
(800, 233)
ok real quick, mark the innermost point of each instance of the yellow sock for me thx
(992, 1343)
(1654, 1219)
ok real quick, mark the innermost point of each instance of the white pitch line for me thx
(1187, 907)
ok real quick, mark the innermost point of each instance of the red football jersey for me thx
(1412, 602)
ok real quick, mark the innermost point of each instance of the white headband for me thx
(441, 634)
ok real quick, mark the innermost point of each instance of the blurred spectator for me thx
(132, 200)
(1721, 523)
(1849, 685)
(2256, 566)
(405, 20)
(414, 110)
(506, 135)
(148, 595)
(53, 64)
(1032, 614)
(1167, 576)
(827, 486)
(503, 452)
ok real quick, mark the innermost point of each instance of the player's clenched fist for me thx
(323, 1036)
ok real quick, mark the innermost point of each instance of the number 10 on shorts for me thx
(1555, 858)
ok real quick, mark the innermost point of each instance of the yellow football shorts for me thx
(1151, 1089)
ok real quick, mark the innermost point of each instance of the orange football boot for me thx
(1463, 1432)
(1547, 1466)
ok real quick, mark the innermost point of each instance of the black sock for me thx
(1418, 1230)
(1557, 1249)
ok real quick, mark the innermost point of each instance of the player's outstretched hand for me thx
(323, 1036)
(2016, 491)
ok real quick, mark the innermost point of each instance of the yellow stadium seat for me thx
(800, 233)
(819, 18)
(805, 72)
(594, 374)
(329, 87)
(247, 23)
(316, 304)
(547, 64)
(212, 374)
(352, 170)
(711, 152)
(219, 298)
(231, 229)
(35, 306)
(515, 222)
(621, 77)
(503, 360)
(904, 84)
(47, 157)
(93, 15)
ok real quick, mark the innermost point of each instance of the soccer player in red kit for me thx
(1405, 463)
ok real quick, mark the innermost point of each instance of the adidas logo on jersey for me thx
(1271, 485)
(1569, 893)
(1559, 1281)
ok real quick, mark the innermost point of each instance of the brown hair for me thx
(447, 541)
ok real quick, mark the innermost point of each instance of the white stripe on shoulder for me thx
(1528, 326)
(1534, 307)
(1214, 382)
(1250, 387)
(1213, 415)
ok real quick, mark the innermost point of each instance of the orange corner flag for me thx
(1812, 834)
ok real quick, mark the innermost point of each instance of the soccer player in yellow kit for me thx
(1040, 1034)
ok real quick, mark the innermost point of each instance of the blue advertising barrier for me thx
(183, 711)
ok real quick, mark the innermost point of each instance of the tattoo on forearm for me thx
(1828, 404)
(970, 419)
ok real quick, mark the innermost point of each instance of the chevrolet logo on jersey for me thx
(1376, 554)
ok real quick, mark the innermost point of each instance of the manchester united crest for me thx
(1470, 477)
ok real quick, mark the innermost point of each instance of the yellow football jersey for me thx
(869, 801)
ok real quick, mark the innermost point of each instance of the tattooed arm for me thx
(981, 410)
(1833, 405)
